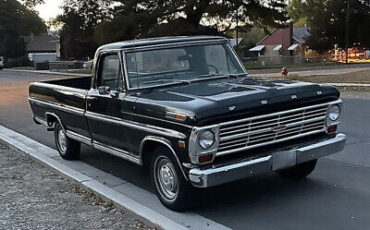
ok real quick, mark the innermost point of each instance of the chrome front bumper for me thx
(203, 178)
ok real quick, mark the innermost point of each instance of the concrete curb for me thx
(36, 151)
(349, 84)
(48, 72)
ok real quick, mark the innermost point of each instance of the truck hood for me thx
(208, 102)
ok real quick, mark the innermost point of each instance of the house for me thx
(42, 48)
(233, 42)
(285, 43)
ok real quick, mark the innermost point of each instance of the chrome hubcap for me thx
(166, 178)
(62, 140)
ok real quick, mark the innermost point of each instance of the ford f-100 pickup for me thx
(186, 109)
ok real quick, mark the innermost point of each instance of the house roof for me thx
(257, 48)
(300, 34)
(43, 43)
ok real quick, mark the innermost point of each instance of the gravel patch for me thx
(34, 197)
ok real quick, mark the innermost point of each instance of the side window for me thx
(110, 73)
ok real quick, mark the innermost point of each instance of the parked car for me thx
(186, 109)
(1, 63)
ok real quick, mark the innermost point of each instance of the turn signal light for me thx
(205, 158)
(182, 144)
(332, 129)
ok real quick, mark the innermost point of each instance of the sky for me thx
(50, 9)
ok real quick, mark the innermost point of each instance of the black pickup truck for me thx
(186, 109)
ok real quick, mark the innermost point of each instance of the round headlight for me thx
(206, 139)
(334, 112)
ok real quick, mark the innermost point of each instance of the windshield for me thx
(180, 64)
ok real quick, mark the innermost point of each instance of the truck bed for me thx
(79, 83)
(64, 97)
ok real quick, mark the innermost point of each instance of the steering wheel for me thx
(214, 68)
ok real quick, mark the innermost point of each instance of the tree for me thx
(32, 3)
(297, 10)
(147, 18)
(327, 20)
(17, 20)
(91, 23)
(79, 20)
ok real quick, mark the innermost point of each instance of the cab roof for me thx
(158, 41)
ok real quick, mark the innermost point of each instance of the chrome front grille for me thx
(271, 128)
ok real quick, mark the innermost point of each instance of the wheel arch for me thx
(149, 143)
(51, 119)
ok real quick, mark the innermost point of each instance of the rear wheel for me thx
(168, 181)
(299, 171)
(68, 149)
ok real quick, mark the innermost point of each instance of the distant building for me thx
(233, 41)
(42, 48)
(284, 42)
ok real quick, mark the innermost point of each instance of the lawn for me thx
(362, 77)
(355, 77)
(23, 68)
(258, 65)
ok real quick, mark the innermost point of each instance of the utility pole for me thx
(347, 30)
(237, 32)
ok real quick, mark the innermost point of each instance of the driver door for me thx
(106, 104)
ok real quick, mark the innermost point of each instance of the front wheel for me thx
(68, 149)
(299, 171)
(171, 187)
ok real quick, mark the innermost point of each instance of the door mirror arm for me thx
(104, 90)
(114, 94)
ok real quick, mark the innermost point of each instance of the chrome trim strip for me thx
(203, 178)
(158, 119)
(65, 108)
(79, 137)
(117, 152)
(165, 142)
(40, 120)
(136, 125)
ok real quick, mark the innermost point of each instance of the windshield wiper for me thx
(209, 75)
(236, 75)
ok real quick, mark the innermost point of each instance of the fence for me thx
(281, 60)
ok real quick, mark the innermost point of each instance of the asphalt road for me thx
(335, 196)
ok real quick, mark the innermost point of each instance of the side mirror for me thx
(104, 90)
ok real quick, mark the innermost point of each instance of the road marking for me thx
(141, 203)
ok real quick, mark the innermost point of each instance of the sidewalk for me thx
(48, 72)
(34, 197)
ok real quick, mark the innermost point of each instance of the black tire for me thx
(70, 149)
(184, 198)
(299, 171)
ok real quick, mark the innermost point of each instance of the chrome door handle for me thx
(91, 98)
